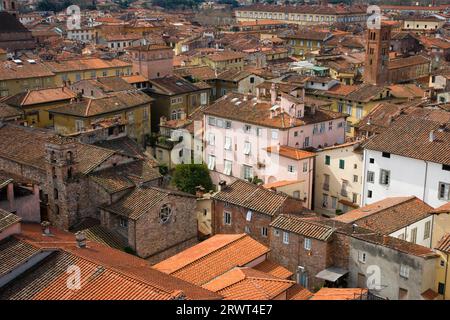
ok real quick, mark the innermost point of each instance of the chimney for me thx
(80, 237)
(45, 226)
(222, 185)
(199, 191)
(432, 136)
(354, 227)
(369, 121)
(273, 94)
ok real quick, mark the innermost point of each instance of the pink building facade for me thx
(239, 130)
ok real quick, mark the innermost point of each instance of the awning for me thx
(332, 274)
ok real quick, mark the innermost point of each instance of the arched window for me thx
(55, 193)
(173, 115)
(52, 156)
(69, 156)
(69, 173)
(165, 213)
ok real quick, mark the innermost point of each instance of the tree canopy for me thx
(187, 177)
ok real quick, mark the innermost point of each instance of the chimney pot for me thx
(432, 136)
(45, 225)
(80, 237)
(222, 185)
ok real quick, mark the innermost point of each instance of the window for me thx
(285, 237)
(164, 213)
(264, 232)
(384, 177)
(212, 121)
(248, 172)
(446, 167)
(369, 194)
(211, 162)
(227, 143)
(355, 198)
(333, 202)
(426, 232)
(370, 176)
(247, 148)
(130, 116)
(404, 271)
(211, 139)
(444, 191)
(371, 160)
(247, 229)
(414, 235)
(362, 256)
(306, 143)
(291, 168)
(227, 167)
(275, 134)
(441, 288)
(359, 112)
(385, 154)
(325, 200)
(308, 243)
(355, 178)
(219, 123)
(247, 128)
(79, 125)
(227, 217)
(123, 222)
(341, 164)
(305, 166)
(276, 232)
(304, 280)
(327, 160)
(249, 215)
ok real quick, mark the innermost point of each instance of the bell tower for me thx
(376, 66)
(10, 6)
(62, 181)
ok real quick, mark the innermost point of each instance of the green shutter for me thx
(341, 164)
(327, 160)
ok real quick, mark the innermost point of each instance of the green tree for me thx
(188, 176)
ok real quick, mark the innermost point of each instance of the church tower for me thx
(376, 67)
(10, 6)
(63, 185)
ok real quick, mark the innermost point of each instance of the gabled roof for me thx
(40, 96)
(417, 132)
(212, 258)
(7, 219)
(141, 200)
(94, 107)
(310, 228)
(107, 274)
(388, 215)
(255, 198)
(444, 243)
(248, 284)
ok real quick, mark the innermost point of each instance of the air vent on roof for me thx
(17, 61)
(31, 61)
(179, 83)
(238, 103)
(234, 100)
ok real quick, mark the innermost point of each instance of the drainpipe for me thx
(425, 181)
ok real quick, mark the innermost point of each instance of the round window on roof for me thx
(165, 213)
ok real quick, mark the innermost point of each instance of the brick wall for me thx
(239, 222)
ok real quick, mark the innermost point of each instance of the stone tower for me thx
(376, 65)
(10, 6)
(63, 181)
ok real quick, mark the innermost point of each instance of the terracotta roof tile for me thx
(212, 257)
(444, 243)
(107, 273)
(417, 132)
(274, 269)
(297, 292)
(388, 215)
(256, 198)
(7, 219)
(291, 152)
(340, 294)
(248, 284)
(304, 226)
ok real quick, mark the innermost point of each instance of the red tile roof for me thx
(444, 243)
(212, 257)
(291, 152)
(108, 273)
(340, 294)
(273, 269)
